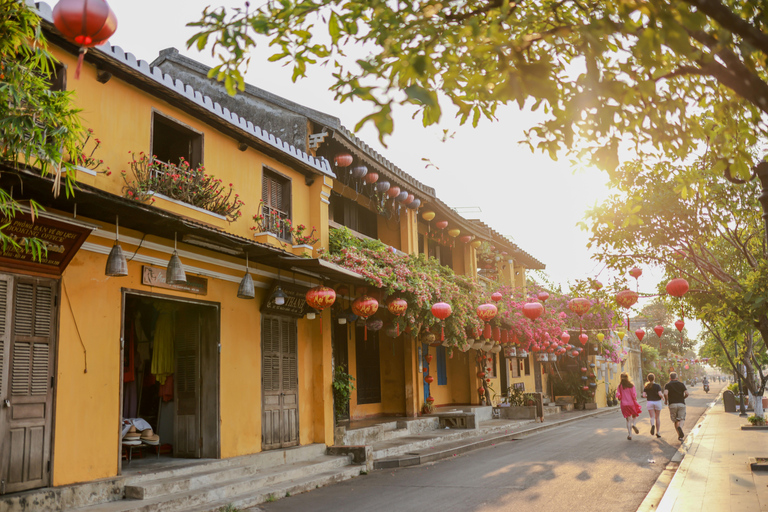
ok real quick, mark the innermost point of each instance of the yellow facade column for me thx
(508, 272)
(409, 232)
(519, 276)
(319, 202)
(322, 376)
(411, 364)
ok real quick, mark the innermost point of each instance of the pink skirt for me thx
(631, 410)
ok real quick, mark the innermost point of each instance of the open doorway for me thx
(170, 380)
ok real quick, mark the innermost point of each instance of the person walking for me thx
(654, 394)
(675, 394)
(627, 393)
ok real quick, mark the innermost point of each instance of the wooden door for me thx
(280, 383)
(187, 440)
(27, 349)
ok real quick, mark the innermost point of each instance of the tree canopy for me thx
(659, 78)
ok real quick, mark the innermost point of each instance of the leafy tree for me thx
(713, 237)
(661, 78)
(38, 126)
(659, 312)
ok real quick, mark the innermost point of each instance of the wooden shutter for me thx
(186, 382)
(27, 354)
(280, 383)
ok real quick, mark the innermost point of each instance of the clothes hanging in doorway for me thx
(163, 351)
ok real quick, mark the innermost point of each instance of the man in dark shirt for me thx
(675, 394)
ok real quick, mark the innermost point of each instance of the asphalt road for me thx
(587, 465)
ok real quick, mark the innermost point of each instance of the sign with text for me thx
(155, 276)
(295, 300)
(61, 239)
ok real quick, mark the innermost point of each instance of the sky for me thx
(526, 196)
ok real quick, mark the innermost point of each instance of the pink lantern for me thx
(487, 312)
(496, 296)
(565, 337)
(677, 287)
(579, 305)
(441, 224)
(635, 272)
(640, 334)
(441, 310)
(542, 296)
(583, 339)
(533, 310)
(343, 160)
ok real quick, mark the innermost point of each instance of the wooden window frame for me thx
(196, 153)
(286, 185)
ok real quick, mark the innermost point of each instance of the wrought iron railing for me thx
(276, 222)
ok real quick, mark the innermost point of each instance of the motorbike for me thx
(706, 388)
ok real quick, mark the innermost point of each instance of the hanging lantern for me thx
(677, 287)
(579, 305)
(453, 233)
(371, 178)
(359, 171)
(487, 312)
(565, 337)
(429, 379)
(496, 296)
(583, 338)
(466, 239)
(414, 205)
(621, 334)
(382, 186)
(428, 215)
(374, 324)
(393, 192)
(596, 285)
(321, 297)
(87, 23)
(627, 298)
(635, 272)
(441, 311)
(343, 160)
(496, 333)
(402, 196)
(659, 330)
(533, 310)
(441, 224)
(364, 307)
(428, 358)
(409, 199)
(504, 337)
(397, 307)
(391, 330)
(542, 296)
(600, 337)
(640, 334)
(680, 324)
(476, 244)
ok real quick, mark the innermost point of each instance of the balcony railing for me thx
(276, 222)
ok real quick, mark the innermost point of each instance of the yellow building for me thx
(87, 348)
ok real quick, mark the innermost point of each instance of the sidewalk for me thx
(714, 474)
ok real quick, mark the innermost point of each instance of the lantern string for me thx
(80, 59)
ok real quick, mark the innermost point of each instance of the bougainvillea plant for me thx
(181, 182)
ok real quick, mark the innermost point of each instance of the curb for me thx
(690, 444)
(415, 459)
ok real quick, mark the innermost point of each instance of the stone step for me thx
(258, 476)
(264, 459)
(385, 431)
(208, 491)
(245, 502)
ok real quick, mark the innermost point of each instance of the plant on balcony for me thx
(281, 227)
(302, 238)
(84, 155)
(180, 182)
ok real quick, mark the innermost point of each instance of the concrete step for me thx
(245, 502)
(385, 431)
(257, 476)
(185, 492)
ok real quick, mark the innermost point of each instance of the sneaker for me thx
(653, 429)
(680, 433)
(634, 427)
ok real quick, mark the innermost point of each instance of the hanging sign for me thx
(295, 300)
(155, 276)
(62, 240)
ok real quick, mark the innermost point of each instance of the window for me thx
(368, 367)
(442, 253)
(354, 216)
(172, 141)
(442, 374)
(526, 365)
(514, 368)
(276, 207)
(58, 77)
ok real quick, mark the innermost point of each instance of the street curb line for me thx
(663, 483)
(415, 459)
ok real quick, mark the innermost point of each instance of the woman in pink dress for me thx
(627, 393)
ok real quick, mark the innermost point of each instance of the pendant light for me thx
(246, 289)
(278, 295)
(174, 273)
(116, 264)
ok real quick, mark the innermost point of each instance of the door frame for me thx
(153, 295)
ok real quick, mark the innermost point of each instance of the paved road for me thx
(587, 465)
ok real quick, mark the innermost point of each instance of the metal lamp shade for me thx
(116, 264)
(246, 289)
(279, 296)
(174, 273)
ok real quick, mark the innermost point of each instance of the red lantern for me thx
(466, 238)
(393, 192)
(441, 224)
(487, 312)
(429, 379)
(487, 332)
(659, 330)
(533, 310)
(565, 337)
(441, 311)
(371, 178)
(680, 324)
(627, 298)
(496, 296)
(542, 296)
(87, 23)
(677, 287)
(504, 336)
(635, 272)
(397, 307)
(320, 297)
(640, 334)
(496, 333)
(365, 306)
(428, 358)
(343, 160)
(583, 339)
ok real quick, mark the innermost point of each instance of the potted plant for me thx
(342, 391)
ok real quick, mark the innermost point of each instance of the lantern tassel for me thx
(442, 332)
(80, 59)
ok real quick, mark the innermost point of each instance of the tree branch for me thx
(731, 21)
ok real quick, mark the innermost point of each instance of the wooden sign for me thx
(295, 300)
(61, 238)
(155, 276)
